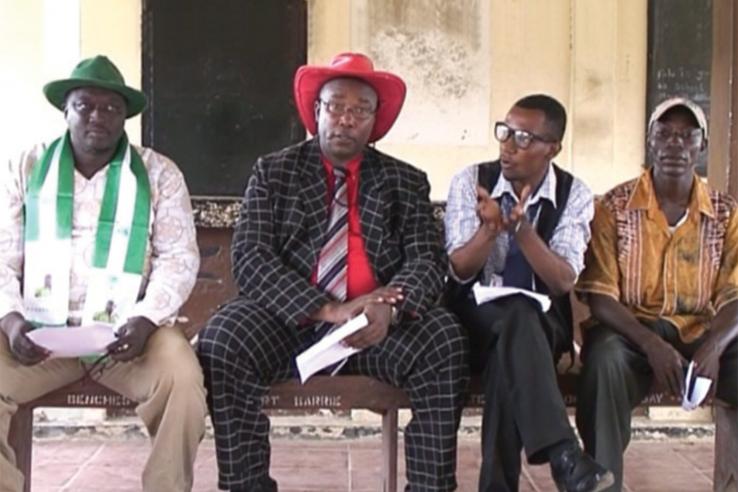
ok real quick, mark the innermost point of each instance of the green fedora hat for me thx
(98, 71)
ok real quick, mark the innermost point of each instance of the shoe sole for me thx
(607, 480)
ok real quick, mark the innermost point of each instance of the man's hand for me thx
(707, 361)
(132, 338)
(489, 213)
(340, 312)
(23, 348)
(517, 213)
(379, 316)
(667, 364)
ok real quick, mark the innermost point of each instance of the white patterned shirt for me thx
(172, 257)
(569, 239)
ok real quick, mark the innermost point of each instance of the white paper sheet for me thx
(74, 342)
(695, 389)
(329, 349)
(485, 293)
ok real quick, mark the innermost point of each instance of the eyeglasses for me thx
(360, 113)
(85, 108)
(522, 138)
(663, 134)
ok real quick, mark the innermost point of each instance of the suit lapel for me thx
(313, 192)
(371, 213)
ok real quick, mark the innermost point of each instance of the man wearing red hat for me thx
(331, 228)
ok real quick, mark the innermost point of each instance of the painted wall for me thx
(42, 40)
(590, 55)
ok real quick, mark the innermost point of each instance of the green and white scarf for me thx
(120, 242)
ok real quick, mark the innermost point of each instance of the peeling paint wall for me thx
(467, 61)
(441, 49)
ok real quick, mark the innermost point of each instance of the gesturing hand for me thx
(488, 211)
(517, 213)
(132, 338)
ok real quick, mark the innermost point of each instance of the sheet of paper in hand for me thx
(329, 349)
(74, 342)
(695, 388)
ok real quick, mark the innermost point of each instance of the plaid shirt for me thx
(683, 276)
(569, 239)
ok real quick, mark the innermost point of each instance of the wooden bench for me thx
(321, 392)
(355, 392)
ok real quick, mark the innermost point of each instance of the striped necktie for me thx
(332, 262)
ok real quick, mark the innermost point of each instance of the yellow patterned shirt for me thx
(683, 276)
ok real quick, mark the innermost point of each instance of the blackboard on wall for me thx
(218, 74)
(680, 54)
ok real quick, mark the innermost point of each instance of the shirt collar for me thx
(351, 167)
(643, 196)
(547, 190)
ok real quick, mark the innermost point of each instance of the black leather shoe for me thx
(575, 471)
(266, 484)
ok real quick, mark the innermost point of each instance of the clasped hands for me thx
(377, 306)
(491, 217)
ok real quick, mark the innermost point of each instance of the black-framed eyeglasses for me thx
(86, 108)
(360, 113)
(662, 134)
(522, 138)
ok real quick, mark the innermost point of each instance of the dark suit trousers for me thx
(244, 349)
(515, 345)
(616, 377)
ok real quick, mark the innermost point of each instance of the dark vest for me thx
(548, 218)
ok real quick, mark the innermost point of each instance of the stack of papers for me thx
(695, 389)
(329, 349)
(74, 342)
(485, 293)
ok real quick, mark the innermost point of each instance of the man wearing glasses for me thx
(661, 280)
(331, 228)
(96, 231)
(523, 222)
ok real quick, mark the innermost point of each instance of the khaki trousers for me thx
(167, 383)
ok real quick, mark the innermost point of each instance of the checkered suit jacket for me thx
(283, 221)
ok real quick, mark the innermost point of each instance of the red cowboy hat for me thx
(390, 89)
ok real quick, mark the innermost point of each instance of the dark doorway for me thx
(680, 54)
(218, 74)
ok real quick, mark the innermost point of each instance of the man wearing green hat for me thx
(96, 232)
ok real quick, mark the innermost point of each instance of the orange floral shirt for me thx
(684, 276)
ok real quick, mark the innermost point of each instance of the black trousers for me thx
(244, 349)
(515, 346)
(616, 377)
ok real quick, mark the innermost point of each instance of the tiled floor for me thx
(346, 465)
